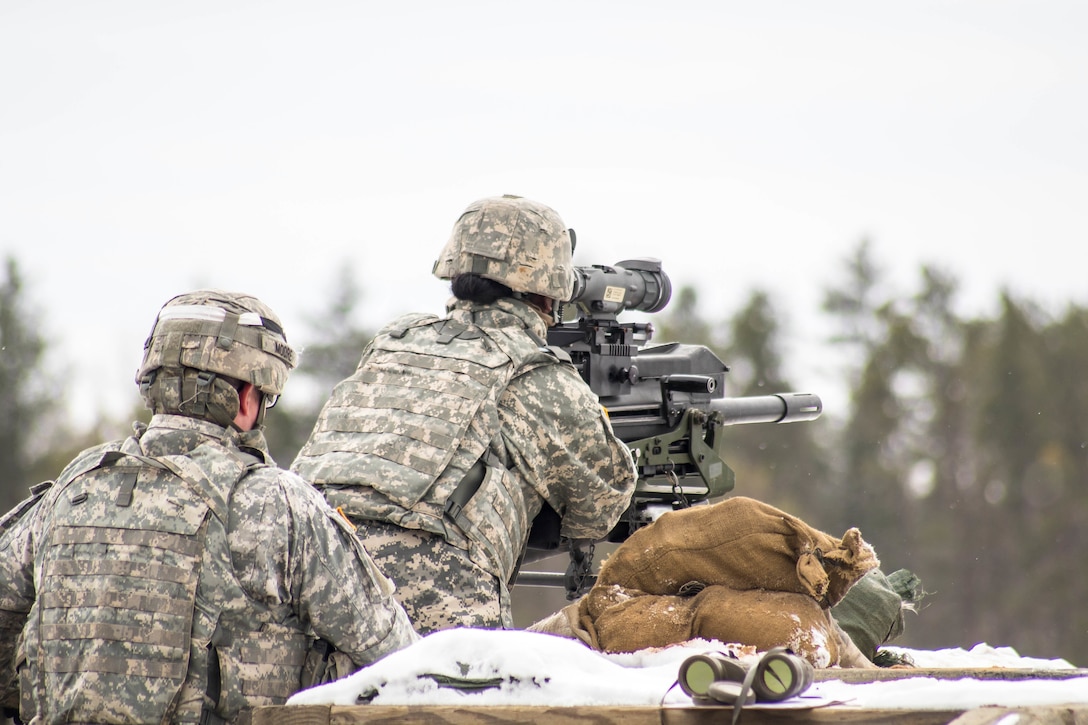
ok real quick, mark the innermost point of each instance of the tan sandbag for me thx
(638, 622)
(758, 618)
(675, 619)
(743, 544)
(565, 623)
(603, 597)
(765, 620)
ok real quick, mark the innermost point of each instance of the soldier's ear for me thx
(249, 407)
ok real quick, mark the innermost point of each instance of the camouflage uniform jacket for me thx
(14, 531)
(150, 595)
(432, 396)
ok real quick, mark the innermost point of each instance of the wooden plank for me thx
(1061, 715)
(493, 715)
(678, 715)
(817, 716)
(633, 715)
(672, 715)
(945, 673)
(293, 715)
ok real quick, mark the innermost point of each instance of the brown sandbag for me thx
(674, 620)
(565, 623)
(625, 621)
(759, 618)
(743, 544)
(659, 620)
(767, 580)
(766, 620)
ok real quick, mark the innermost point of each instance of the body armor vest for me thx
(139, 616)
(398, 436)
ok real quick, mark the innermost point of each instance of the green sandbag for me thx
(872, 610)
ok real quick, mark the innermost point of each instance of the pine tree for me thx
(683, 323)
(337, 344)
(780, 464)
(863, 473)
(27, 394)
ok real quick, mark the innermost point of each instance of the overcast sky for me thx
(147, 148)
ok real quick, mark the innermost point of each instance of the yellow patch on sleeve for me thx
(340, 510)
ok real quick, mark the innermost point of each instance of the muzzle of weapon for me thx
(778, 408)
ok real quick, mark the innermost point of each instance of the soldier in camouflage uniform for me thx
(14, 530)
(179, 576)
(455, 432)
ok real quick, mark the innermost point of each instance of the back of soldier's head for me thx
(516, 242)
(203, 346)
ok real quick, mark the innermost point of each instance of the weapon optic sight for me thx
(666, 402)
(634, 284)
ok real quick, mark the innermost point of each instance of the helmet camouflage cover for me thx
(226, 333)
(518, 242)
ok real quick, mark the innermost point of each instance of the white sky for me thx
(150, 148)
(544, 669)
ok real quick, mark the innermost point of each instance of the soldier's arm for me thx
(347, 599)
(16, 594)
(561, 441)
(321, 568)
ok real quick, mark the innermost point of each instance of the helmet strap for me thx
(540, 303)
(558, 310)
(196, 393)
(193, 393)
(258, 424)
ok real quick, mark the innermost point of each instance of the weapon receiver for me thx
(667, 402)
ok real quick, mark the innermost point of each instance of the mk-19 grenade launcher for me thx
(667, 402)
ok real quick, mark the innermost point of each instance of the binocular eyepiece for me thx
(714, 678)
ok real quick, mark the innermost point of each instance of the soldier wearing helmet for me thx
(205, 347)
(178, 575)
(455, 432)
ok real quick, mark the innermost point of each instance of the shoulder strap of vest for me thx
(553, 350)
(540, 342)
(181, 466)
(37, 491)
(449, 330)
(399, 327)
(193, 475)
(558, 352)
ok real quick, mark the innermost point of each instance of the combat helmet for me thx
(520, 243)
(203, 341)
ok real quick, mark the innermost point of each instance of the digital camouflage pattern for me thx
(518, 242)
(470, 597)
(200, 341)
(222, 332)
(432, 397)
(14, 538)
(133, 578)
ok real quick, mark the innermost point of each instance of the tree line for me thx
(962, 456)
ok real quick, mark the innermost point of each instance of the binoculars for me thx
(715, 678)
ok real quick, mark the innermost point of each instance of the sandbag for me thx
(565, 623)
(742, 544)
(625, 629)
(765, 620)
(872, 611)
(622, 621)
(760, 618)
(740, 572)
(756, 621)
